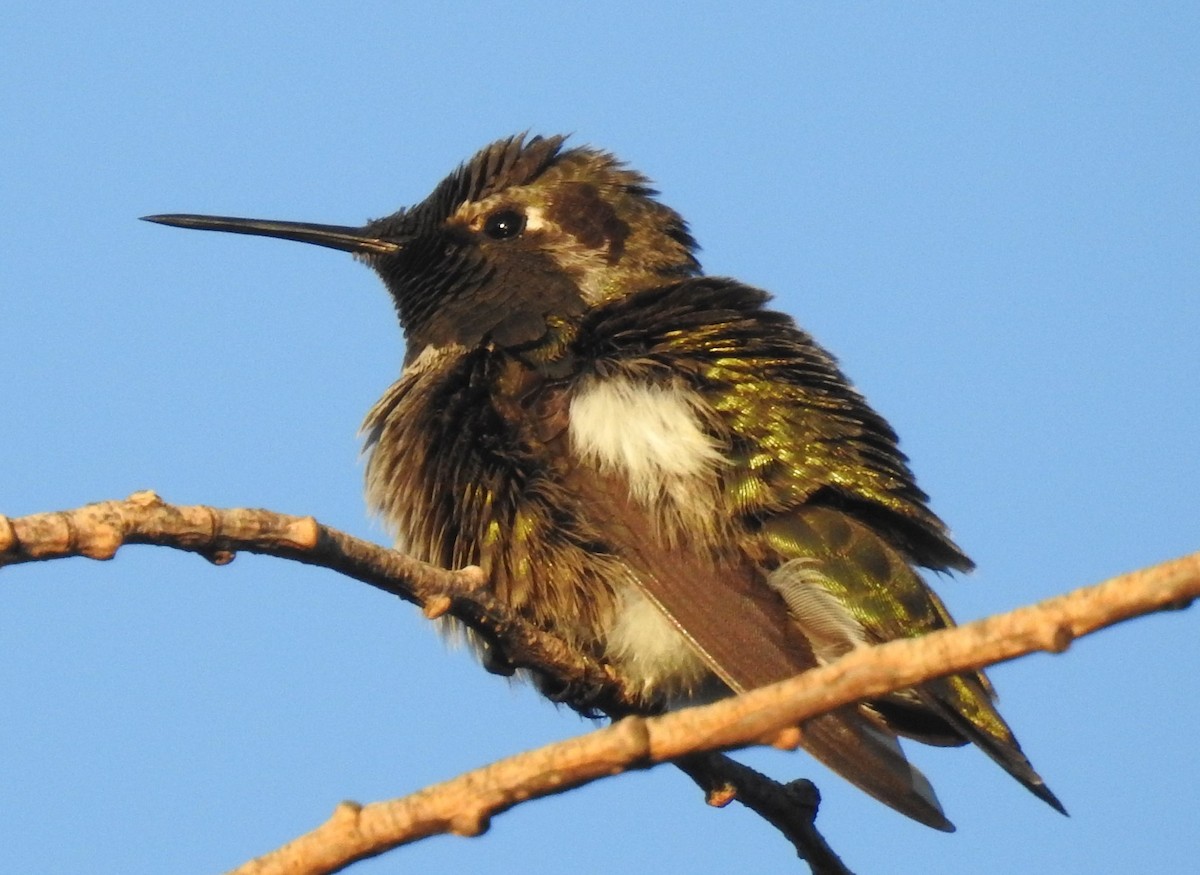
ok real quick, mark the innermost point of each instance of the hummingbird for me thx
(649, 462)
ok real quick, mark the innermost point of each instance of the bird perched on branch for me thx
(649, 462)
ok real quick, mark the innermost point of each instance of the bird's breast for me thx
(575, 496)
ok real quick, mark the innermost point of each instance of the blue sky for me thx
(989, 215)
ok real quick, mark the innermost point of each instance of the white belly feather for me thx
(652, 437)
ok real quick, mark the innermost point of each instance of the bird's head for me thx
(514, 244)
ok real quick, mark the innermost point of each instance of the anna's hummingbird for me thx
(646, 461)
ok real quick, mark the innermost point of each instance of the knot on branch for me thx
(469, 824)
(1061, 637)
(8, 535)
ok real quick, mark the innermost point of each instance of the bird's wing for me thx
(742, 632)
(808, 462)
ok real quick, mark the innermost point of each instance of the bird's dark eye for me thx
(504, 224)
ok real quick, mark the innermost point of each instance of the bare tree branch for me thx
(464, 805)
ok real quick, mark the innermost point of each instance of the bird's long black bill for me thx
(342, 237)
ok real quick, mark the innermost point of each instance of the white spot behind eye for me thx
(535, 219)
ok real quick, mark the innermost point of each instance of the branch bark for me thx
(465, 805)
